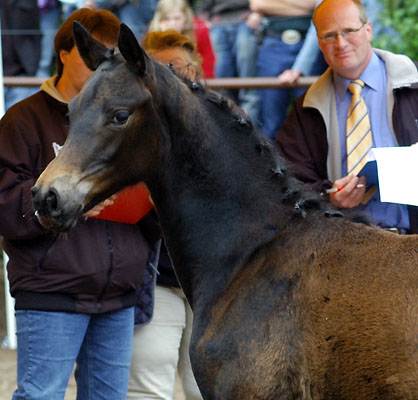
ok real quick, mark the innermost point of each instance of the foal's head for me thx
(113, 125)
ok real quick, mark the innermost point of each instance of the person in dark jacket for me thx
(75, 293)
(313, 137)
(21, 44)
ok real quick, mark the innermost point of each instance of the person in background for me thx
(75, 293)
(178, 15)
(21, 45)
(137, 14)
(310, 60)
(232, 30)
(320, 135)
(50, 14)
(162, 347)
(283, 25)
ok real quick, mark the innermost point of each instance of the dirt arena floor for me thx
(8, 359)
(8, 378)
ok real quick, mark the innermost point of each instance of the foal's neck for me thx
(215, 203)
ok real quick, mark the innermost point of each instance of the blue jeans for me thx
(274, 57)
(138, 15)
(236, 48)
(49, 343)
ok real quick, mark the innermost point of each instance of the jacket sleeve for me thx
(19, 151)
(302, 141)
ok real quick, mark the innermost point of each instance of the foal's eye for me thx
(120, 116)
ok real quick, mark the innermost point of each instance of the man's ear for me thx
(369, 30)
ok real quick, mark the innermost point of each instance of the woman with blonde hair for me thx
(178, 15)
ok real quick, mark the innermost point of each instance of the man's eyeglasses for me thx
(347, 34)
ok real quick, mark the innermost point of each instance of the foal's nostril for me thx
(51, 200)
(45, 205)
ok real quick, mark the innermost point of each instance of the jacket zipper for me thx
(110, 270)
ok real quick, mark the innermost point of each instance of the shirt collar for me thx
(370, 76)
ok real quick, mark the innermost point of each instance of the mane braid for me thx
(286, 189)
(291, 190)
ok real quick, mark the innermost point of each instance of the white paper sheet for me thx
(397, 169)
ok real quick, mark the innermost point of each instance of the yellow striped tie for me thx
(359, 135)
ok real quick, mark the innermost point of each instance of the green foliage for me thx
(402, 16)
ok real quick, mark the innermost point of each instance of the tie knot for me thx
(356, 86)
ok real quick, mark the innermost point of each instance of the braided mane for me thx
(271, 167)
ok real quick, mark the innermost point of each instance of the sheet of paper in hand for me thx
(396, 172)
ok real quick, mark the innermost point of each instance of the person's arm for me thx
(273, 7)
(302, 140)
(305, 60)
(19, 152)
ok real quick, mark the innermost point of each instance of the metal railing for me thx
(215, 83)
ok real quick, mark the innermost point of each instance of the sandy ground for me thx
(8, 360)
(8, 378)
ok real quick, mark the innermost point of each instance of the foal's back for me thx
(363, 315)
(331, 312)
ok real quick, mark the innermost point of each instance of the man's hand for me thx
(254, 20)
(348, 195)
(290, 76)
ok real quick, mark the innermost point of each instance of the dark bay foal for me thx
(291, 299)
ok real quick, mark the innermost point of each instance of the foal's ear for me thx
(91, 50)
(131, 51)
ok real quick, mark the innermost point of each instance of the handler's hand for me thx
(98, 208)
(350, 196)
(254, 20)
(289, 76)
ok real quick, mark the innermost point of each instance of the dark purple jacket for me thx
(98, 266)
